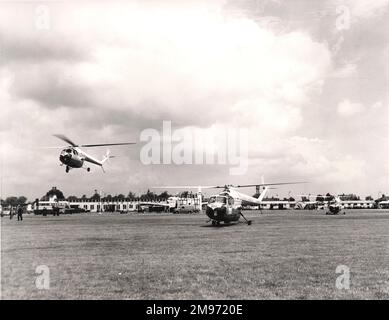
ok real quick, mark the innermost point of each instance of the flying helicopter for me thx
(73, 157)
(226, 206)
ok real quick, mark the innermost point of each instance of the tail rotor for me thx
(107, 156)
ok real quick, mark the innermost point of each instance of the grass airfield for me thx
(282, 255)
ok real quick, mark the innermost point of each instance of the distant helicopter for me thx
(226, 206)
(73, 157)
(306, 203)
(332, 203)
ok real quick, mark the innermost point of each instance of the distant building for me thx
(190, 203)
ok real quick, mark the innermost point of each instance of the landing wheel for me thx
(88, 169)
(67, 169)
(249, 223)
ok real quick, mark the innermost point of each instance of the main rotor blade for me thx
(227, 186)
(44, 147)
(268, 184)
(105, 144)
(66, 139)
(255, 185)
(184, 187)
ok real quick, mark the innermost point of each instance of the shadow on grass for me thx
(223, 225)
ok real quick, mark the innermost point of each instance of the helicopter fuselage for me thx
(74, 157)
(222, 213)
(334, 208)
(71, 158)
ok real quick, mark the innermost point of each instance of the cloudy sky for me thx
(309, 80)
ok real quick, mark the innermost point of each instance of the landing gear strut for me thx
(67, 169)
(247, 221)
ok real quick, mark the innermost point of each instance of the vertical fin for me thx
(263, 193)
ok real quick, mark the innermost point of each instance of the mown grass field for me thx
(282, 255)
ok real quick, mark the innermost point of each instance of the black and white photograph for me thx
(222, 150)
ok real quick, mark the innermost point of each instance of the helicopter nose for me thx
(211, 212)
(215, 212)
(65, 157)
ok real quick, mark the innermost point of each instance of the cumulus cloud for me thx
(314, 158)
(346, 71)
(34, 48)
(176, 67)
(367, 9)
(347, 108)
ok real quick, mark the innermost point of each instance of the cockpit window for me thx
(218, 199)
(69, 150)
(222, 199)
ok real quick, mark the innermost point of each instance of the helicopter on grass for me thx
(226, 206)
(332, 204)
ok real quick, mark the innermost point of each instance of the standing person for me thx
(55, 211)
(11, 213)
(20, 213)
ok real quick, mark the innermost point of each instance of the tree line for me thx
(14, 201)
(149, 195)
